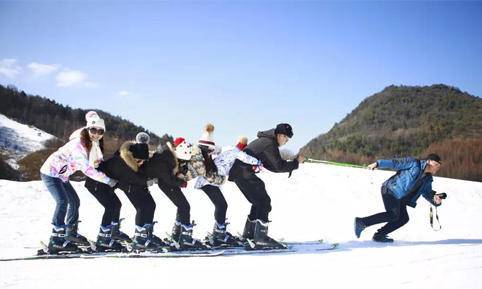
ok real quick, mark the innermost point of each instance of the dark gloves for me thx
(258, 167)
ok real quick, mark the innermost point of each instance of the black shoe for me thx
(176, 232)
(105, 242)
(382, 238)
(117, 234)
(248, 232)
(59, 245)
(187, 242)
(261, 240)
(221, 238)
(144, 239)
(73, 236)
(155, 239)
(359, 227)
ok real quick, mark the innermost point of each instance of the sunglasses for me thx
(94, 130)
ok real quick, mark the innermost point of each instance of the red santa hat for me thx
(182, 149)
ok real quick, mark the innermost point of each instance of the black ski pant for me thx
(254, 190)
(107, 198)
(177, 197)
(395, 215)
(144, 204)
(220, 204)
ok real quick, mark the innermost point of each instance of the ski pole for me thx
(334, 163)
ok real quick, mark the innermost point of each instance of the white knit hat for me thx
(94, 120)
(207, 137)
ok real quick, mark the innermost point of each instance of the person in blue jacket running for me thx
(412, 180)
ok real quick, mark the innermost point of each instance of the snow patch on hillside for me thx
(18, 140)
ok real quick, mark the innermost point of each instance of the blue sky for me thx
(244, 66)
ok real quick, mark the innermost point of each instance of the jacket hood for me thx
(127, 156)
(267, 133)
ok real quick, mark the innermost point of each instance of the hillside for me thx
(409, 120)
(59, 121)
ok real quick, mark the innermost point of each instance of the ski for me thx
(291, 248)
(94, 255)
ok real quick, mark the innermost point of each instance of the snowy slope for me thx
(19, 140)
(318, 201)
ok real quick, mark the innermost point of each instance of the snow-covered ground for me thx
(19, 140)
(318, 201)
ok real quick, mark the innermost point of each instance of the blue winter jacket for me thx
(408, 171)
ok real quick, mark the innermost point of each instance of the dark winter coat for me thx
(163, 166)
(266, 149)
(408, 172)
(123, 167)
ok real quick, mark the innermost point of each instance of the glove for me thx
(151, 182)
(112, 183)
(257, 168)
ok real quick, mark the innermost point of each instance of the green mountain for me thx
(409, 121)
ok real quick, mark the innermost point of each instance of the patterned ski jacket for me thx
(225, 161)
(70, 158)
(197, 169)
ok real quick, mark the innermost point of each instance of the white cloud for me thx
(124, 93)
(9, 67)
(39, 69)
(69, 77)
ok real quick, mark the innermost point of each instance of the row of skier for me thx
(133, 168)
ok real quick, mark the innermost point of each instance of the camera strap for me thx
(438, 226)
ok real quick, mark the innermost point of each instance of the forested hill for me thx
(60, 121)
(409, 120)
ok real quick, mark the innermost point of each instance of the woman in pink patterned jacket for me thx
(79, 154)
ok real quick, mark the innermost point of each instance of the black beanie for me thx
(140, 151)
(284, 128)
(434, 157)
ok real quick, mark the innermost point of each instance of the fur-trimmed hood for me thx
(127, 156)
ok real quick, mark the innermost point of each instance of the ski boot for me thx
(183, 240)
(248, 232)
(261, 240)
(73, 236)
(359, 227)
(145, 240)
(106, 242)
(155, 239)
(117, 234)
(221, 238)
(382, 238)
(58, 243)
